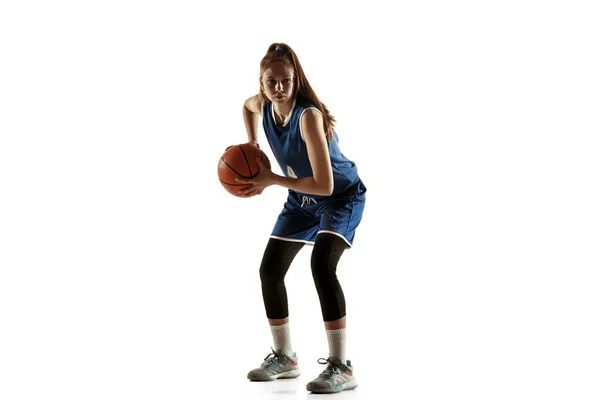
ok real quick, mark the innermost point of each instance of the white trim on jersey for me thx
(300, 120)
(287, 119)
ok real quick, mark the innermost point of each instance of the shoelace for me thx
(331, 368)
(271, 358)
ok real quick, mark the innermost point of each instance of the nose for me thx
(279, 87)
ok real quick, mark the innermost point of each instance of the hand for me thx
(260, 181)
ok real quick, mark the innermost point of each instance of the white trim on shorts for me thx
(309, 242)
(338, 234)
(292, 240)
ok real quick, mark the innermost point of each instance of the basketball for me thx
(239, 161)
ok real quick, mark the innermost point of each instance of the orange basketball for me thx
(239, 161)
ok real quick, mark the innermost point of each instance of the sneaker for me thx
(277, 365)
(335, 378)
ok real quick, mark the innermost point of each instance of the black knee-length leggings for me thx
(276, 261)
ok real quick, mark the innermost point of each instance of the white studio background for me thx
(127, 272)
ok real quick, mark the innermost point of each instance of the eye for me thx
(287, 80)
(270, 81)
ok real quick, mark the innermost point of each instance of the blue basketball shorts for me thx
(304, 217)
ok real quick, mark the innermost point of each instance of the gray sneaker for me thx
(335, 378)
(276, 365)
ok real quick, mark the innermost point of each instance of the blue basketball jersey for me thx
(289, 149)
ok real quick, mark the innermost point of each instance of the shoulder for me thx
(311, 115)
(308, 111)
(253, 105)
(311, 123)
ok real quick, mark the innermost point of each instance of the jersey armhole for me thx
(300, 120)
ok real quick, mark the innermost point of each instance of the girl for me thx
(325, 203)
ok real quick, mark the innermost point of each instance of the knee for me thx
(270, 272)
(277, 258)
(325, 256)
(323, 268)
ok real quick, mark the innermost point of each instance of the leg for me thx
(277, 258)
(326, 254)
(337, 225)
(337, 324)
(324, 259)
(338, 374)
(282, 362)
(276, 261)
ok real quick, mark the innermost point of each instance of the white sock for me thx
(337, 343)
(281, 338)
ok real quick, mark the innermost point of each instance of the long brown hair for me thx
(281, 52)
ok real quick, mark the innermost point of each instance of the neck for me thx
(282, 110)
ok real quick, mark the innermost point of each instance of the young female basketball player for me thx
(324, 206)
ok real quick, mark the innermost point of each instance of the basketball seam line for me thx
(231, 168)
(247, 162)
(234, 184)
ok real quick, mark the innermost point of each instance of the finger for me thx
(240, 180)
(251, 191)
(246, 191)
(248, 194)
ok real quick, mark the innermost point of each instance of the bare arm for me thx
(321, 183)
(251, 111)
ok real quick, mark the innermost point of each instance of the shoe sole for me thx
(284, 375)
(335, 389)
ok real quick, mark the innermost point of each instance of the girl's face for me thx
(277, 83)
